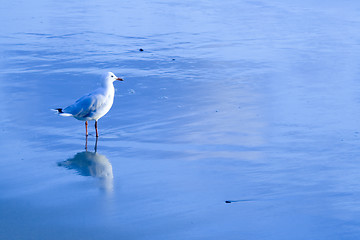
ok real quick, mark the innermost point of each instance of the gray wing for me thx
(86, 105)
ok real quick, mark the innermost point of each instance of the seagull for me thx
(94, 105)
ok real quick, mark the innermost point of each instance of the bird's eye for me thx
(112, 76)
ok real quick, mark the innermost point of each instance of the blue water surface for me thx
(256, 103)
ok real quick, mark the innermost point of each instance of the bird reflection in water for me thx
(92, 164)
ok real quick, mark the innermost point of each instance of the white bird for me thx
(94, 105)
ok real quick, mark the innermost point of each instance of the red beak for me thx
(120, 79)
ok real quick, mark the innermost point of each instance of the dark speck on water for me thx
(141, 50)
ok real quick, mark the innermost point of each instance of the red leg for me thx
(86, 124)
(97, 134)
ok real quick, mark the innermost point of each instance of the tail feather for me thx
(61, 113)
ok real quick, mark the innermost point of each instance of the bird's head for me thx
(110, 76)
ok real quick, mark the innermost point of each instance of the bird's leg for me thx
(97, 134)
(86, 124)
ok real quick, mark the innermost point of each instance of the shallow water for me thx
(250, 102)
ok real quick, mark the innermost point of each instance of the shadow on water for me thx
(93, 164)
